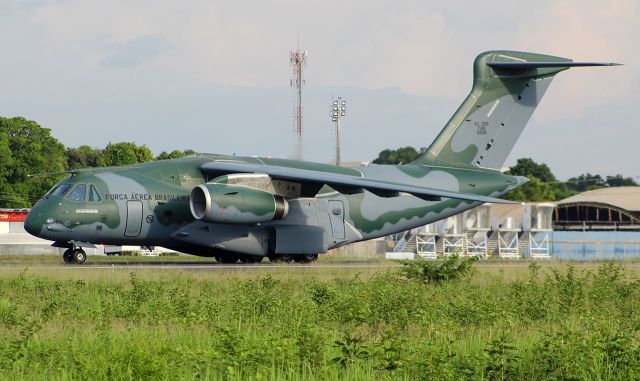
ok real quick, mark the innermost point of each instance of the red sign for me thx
(17, 216)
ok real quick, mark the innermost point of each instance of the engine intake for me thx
(235, 204)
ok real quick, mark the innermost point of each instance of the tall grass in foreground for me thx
(397, 324)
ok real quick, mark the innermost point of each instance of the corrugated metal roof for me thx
(627, 198)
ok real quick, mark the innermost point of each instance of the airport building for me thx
(598, 224)
(508, 231)
(602, 223)
(606, 209)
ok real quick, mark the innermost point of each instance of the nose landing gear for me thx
(74, 256)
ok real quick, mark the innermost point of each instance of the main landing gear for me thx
(74, 256)
(299, 258)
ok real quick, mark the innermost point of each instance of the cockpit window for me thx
(59, 190)
(94, 196)
(77, 194)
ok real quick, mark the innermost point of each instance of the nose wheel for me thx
(74, 256)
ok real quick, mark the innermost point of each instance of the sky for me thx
(213, 76)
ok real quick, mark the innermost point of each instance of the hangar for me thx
(606, 209)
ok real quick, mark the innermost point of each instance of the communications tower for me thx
(298, 60)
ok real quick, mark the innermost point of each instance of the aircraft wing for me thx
(312, 181)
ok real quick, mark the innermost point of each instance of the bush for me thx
(435, 272)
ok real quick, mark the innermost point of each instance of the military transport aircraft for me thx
(247, 208)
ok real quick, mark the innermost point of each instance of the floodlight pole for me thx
(338, 142)
(338, 110)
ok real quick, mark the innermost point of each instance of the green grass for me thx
(555, 321)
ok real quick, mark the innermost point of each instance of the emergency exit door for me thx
(134, 219)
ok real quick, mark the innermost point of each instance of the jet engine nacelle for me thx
(235, 204)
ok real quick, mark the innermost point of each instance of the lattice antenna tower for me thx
(298, 61)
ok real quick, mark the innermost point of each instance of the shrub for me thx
(435, 272)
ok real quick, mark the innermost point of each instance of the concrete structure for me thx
(508, 231)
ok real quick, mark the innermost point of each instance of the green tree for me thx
(27, 148)
(82, 157)
(124, 153)
(542, 185)
(620, 181)
(175, 154)
(585, 181)
(534, 190)
(402, 155)
(527, 167)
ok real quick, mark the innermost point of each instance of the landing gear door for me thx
(134, 219)
(336, 216)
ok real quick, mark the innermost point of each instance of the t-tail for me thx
(507, 88)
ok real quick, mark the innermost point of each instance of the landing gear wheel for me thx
(279, 258)
(78, 256)
(67, 256)
(306, 258)
(228, 259)
(250, 259)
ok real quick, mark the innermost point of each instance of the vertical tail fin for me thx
(507, 88)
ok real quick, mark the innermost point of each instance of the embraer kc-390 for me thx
(247, 208)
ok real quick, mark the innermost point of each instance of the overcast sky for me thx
(213, 76)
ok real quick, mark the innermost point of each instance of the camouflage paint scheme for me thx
(149, 204)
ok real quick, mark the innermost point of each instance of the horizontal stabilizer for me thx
(535, 65)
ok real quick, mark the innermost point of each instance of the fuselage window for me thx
(94, 196)
(77, 194)
(59, 190)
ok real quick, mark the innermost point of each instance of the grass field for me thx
(501, 321)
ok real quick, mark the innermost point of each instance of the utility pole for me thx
(338, 111)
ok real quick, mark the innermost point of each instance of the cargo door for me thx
(134, 219)
(336, 216)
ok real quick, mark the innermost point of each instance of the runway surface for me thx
(213, 266)
(195, 266)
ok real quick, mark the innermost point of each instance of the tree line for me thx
(26, 148)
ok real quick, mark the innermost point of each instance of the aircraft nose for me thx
(33, 223)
